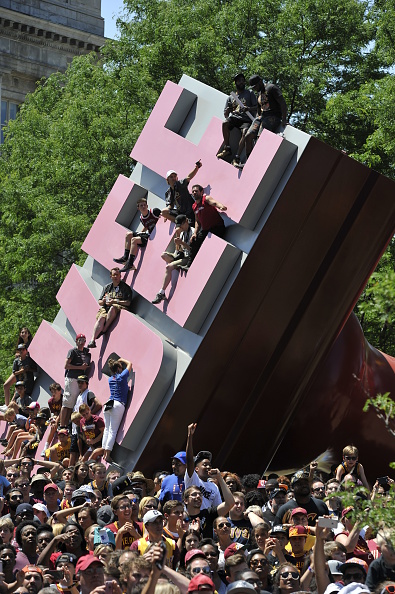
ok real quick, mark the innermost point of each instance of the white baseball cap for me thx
(151, 516)
(170, 172)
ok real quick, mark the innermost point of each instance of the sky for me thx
(110, 9)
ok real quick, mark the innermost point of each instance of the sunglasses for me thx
(319, 489)
(350, 457)
(224, 525)
(262, 562)
(292, 574)
(390, 588)
(186, 519)
(354, 577)
(206, 570)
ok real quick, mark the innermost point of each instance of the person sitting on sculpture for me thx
(240, 110)
(208, 220)
(178, 258)
(272, 111)
(115, 296)
(134, 240)
(178, 198)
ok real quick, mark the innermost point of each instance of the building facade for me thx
(40, 37)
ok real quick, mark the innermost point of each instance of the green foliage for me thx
(376, 306)
(61, 157)
(376, 514)
(384, 407)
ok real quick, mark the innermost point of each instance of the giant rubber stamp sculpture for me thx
(256, 342)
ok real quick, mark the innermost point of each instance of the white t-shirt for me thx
(210, 491)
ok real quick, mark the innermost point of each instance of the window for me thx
(8, 112)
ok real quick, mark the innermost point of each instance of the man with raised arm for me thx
(198, 472)
(178, 198)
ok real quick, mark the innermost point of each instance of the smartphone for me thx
(327, 522)
(56, 574)
(1, 566)
(108, 585)
(382, 480)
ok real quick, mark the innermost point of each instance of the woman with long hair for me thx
(81, 474)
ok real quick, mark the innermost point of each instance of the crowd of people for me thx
(80, 525)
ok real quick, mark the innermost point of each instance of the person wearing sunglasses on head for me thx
(350, 465)
(196, 563)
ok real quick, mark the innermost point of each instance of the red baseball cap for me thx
(201, 582)
(50, 486)
(194, 553)
(233, 549)
(298, 531)
(299, 510)
(86, 561)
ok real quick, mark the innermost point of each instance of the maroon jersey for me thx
(149, 221)
(207, 215)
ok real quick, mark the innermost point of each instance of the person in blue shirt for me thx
(114, 409)
(173, 485)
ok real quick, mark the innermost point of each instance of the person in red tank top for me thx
(207, 220)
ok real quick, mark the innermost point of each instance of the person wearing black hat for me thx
(198, 472)
(66, 564)
(179, 257)
(24, 512)
(272, 111)
(277, 498)
(237, 116)
(314, 507)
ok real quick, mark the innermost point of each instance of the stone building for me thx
(39, 37)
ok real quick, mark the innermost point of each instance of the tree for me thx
(60, 159)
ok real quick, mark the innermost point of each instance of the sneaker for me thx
(159, 297)
(128, 266)
(92, 344)
(121, 260)
(236, 162)
(226, 152)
